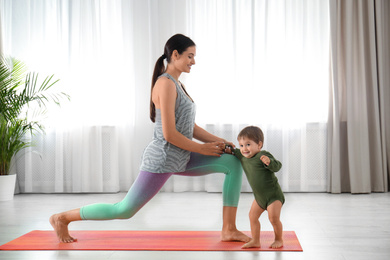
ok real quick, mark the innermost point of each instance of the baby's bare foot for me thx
(252, 244)
(234, 235)
(277, 244)
(61, 228)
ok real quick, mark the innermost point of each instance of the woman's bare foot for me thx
(277, 244)
(252, 244)
(60, 226)
(234, 235)
(229, 229)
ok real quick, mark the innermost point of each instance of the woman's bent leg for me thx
(231, 166)
(227, 164)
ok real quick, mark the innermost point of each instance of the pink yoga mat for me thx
(146, 241)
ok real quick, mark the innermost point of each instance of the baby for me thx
(260, 167)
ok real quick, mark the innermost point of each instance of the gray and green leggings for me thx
(148, 184)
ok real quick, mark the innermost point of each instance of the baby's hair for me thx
(253, 133)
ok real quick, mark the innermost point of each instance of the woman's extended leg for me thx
(143, 189)
(231, 166)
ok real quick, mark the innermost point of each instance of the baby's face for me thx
(248, 147)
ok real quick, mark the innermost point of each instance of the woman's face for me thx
(184, 61)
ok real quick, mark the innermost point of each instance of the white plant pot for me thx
(7, 187)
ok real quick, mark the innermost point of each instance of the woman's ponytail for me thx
(159, 69)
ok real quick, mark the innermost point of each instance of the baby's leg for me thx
(274, 216)
(254, 215)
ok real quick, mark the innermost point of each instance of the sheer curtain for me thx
(1, 37)
(359, 125)
(89, 144)
(259, 63)
(269, 68)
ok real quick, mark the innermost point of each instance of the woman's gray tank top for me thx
(160, 156)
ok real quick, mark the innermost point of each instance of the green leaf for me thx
(19, 90)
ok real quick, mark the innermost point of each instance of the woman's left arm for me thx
(206, 137)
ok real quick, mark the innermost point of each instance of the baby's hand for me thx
(265, 159)
(229, 149)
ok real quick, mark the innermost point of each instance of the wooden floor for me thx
(328, 226)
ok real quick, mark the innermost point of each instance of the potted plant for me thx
(22, 102)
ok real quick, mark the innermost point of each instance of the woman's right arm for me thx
(164, 97)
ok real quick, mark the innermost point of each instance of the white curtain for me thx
(1, 37)
(259, 63)
(359, 125)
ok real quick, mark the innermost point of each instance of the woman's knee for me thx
(231, 161)
(126, 213)
(125, 210)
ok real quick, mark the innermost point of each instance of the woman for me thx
(171, 151)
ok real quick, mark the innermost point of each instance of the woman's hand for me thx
(213, 148)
